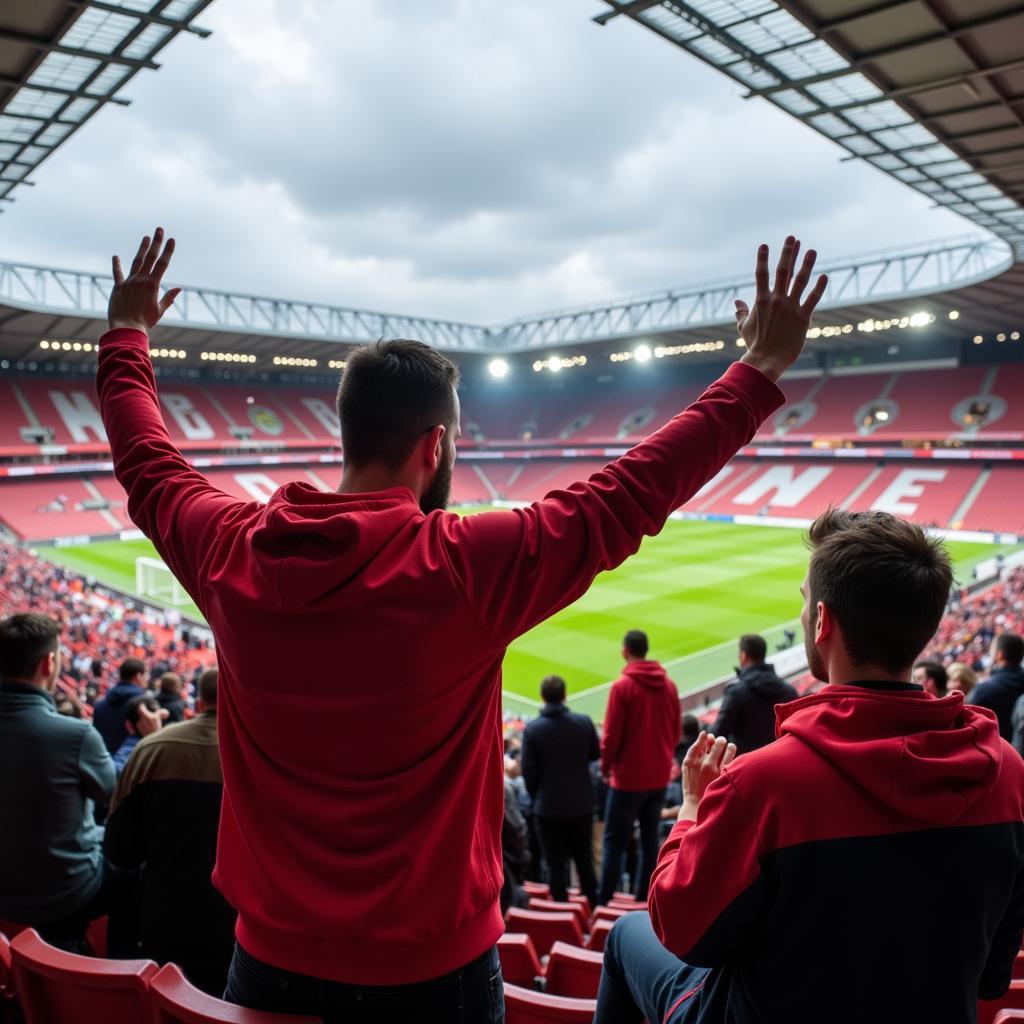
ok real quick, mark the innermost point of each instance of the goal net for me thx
(153, 579)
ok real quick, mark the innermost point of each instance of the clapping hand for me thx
(703, 763)
(776, 328)
(135, 300)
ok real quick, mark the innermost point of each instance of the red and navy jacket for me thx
(869, 865)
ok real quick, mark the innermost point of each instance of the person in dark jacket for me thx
(747, 714)
(53, 769)
(515, 852)
(169, 697)
(163, 818)
(642, 727)
(1005, 684)
(931, 677)
(871, 790)
(108, 715)
(558, 749)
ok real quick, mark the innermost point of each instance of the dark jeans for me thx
(642, 980)
(623, 808)
(470, 995)
(562, 839)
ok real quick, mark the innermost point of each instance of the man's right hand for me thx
(135, 300)
(775, 330)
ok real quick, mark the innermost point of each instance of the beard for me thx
(436, 496)
(814, 660)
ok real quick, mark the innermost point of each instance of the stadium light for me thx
(881, 415)
(1000, 336)
(554, 364)
(642, 353)
(921, 319)
(954, 314)
(740, 343)
(498, 368)
(978, 339)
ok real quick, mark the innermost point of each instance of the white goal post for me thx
(153, 579)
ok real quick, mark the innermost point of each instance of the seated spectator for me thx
(515, 852)
(931, 677)
(559, 746)
(169, 697)
(757, 906)
(53, 768)
(1005, 685)
(108, 716)
(961, 677)
(163, 818)
(691, 730)
(747, 714)
(142, 717)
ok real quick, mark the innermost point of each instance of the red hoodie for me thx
(882, 827)
(360, 646)
(642, 726)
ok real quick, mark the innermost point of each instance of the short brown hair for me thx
(552, 689)
(754, 647)
(25, 639)
(391, 393)
(208, 687)
(885, 581)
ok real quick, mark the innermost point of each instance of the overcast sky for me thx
(470, 159)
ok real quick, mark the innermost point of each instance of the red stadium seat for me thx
(617, 904)
(575, 897)
(525, 1007)
(545, 929)
(520, 964)
(1009, 1017)
(1018, 967)
(1012, 999)
(573, 972)
(174, 1001)
(554, 907)
(599, 934)
(61, 988)
(7, 990)
(610, 913)
(537, 889)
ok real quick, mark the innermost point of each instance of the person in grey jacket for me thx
(53, 769)
(747, 714)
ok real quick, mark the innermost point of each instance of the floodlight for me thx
(498, 368)
(642, 353)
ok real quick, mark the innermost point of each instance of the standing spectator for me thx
(163, 818)
(641, 731)
(52, 769)
(691, 730)
(169, 697)
(515, 852)
(108, 715)
(362, 867)
(961, 677)
(747, 714)
(558, 748)
(872, 790)
(142, 717)
(1004, 686)
(931, 677)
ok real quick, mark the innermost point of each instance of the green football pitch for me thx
(694, 589)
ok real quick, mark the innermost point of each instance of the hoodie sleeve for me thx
(95, 767)
(611, 737)
(175, 506)
(520, 566)
(707, 887)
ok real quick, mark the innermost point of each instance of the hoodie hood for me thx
(307, 542)
(119, 695)
(646, 673)
(928, 759)
(765, 683)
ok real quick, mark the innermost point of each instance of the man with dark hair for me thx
(53, 769)
(163, 818)
(871, 790)
(169, 697)
(362, 869)
(1005, 684)
(747, 714)
(931, 677)
(108, 715)
(641, 730)
(558, 748)
(142, 717)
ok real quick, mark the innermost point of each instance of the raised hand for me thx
(703, 763)
(776, 328)
(135, 300)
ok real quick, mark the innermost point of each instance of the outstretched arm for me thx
(173, 504)
(539, 559)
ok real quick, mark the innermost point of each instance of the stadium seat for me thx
(554, 907)
(7, 990)
(1012, 999)
(520, 964)
(1018, 967)
(571, 971)
(627, 905)
(545, 929)
(612, 913)
(523, 1006)
(540, 889)
(599, 934)
(174, 1001)
(575, 897)
(1009, 1017)
(61, 988)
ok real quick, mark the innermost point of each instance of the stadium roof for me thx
(929, 91)
(62, 60)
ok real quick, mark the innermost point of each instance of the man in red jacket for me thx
(642, 726)
(807, 880)
(360, 835)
